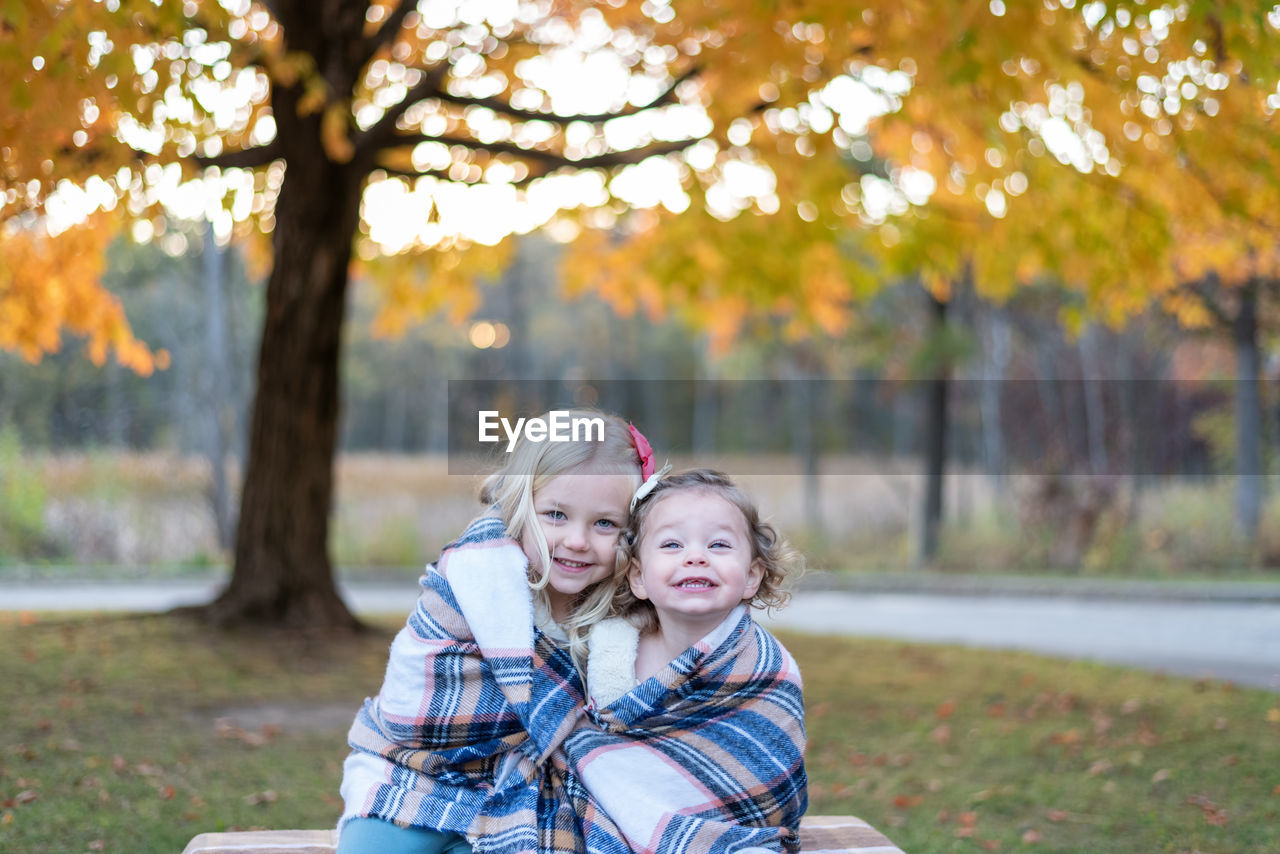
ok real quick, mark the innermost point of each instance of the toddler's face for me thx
(695, 559)
(581, 516)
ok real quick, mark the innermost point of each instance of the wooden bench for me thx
(819, 834)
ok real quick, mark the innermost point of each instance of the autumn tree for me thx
(789, 159)
(325, 102)
(1117, 147)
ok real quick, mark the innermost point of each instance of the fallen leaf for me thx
(1102, 766)
(97, 845)
(1031, 837)
(1056, 815)
(991, 844)
(7, 818)
(905, 802)
(268, 796)
(1273, 716)
(945, 710)
(26, 796)
(167, 792)
(1161, 775)
(942, 734)
(1218, 818)
(967, 819)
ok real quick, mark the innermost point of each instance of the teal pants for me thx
(375, 836)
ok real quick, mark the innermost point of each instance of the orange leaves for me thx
(224, 728)
(335, 127)
(1213, 814)
(413, 286)
(51, 282)
(268, 796)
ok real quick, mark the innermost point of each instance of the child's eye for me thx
(606, 523)
(669, 544)
(721, 544)
(554, 515)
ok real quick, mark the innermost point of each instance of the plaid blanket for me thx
(481, 728)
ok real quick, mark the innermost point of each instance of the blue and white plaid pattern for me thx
(480, 728)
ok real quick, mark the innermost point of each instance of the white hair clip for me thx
(649, 484)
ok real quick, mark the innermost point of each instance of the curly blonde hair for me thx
(777, 559)
(530, 467)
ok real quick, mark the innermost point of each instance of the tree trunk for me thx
(219, 411)
(1248, 412)
(995, 363)
(1095, 415)
(283, 575)
(937, 390)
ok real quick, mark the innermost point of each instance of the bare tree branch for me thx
(441, 174)
(667, 96)
(384, 129)
(387, 33)
(381, 134)
(245, 158)
(554, 159)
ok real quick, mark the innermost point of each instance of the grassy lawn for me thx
(132, 735)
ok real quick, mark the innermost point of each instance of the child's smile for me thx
(580, 516)
(696, 560)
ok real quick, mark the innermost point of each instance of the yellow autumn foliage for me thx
(48, 284)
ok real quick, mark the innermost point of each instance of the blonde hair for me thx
(531, 466)
(777, 559)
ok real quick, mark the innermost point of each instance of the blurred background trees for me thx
(978, 197)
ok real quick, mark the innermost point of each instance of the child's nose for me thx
(575, 538)
(695, 558)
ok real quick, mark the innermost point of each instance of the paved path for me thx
(1224, 638)
(1239, 641)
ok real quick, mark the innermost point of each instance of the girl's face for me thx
(695, 560)
(581, 516)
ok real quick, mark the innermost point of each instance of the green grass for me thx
(957, 750)
(117, 738)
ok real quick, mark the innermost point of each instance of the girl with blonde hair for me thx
(484, 682)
